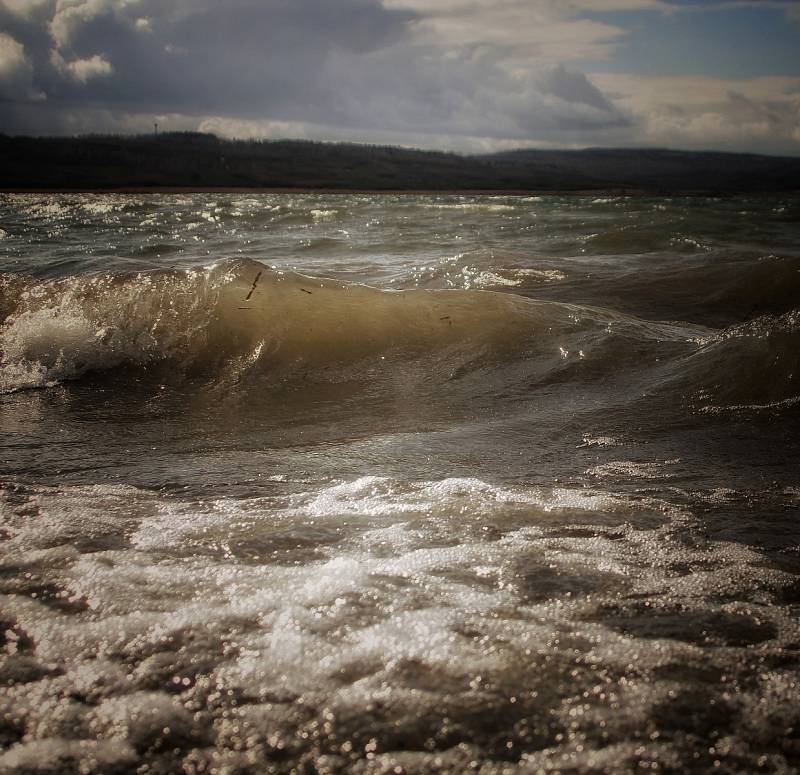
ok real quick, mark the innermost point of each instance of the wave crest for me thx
(751, 366)
(238, 314)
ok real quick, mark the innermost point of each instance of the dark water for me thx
(384, 484)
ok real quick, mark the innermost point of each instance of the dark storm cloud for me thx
(245, 56)
(350, 63)
(430, 92)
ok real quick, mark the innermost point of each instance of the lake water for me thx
(377, 484)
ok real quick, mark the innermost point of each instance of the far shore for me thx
(196, 163)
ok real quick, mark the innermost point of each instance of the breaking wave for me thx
(239, 318)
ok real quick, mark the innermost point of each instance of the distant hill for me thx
(195, 160)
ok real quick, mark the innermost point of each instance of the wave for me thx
(240, 316)
(12, 289)
(239, 319)
(754, 366)
(717, 293)
(732, 291)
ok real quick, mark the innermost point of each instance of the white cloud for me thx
(756, 114)
(12, 56)
(16, 71)
(71, 15)
(25, 8)
(83, 70)
(264, 130)
(517, 31)
(298, 130)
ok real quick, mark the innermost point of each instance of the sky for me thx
(460, 75)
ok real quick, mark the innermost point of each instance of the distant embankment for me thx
(192, 160)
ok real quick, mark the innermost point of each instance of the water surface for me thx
(357, 483)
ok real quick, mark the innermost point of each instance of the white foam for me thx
(100, 207)
(372, 496)
(771, 405)
(42, 346)
(62, 330)
(142, 718)
(177, 523)
(640, 470)
(475, 207)
(488, 279)
(55, 755)
(416, 605)
(599, 441)
(545, 275)
(47, 208)
(323, 215)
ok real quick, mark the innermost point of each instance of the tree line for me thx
(198, 160)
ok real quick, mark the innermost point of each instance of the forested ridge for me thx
(196, 160)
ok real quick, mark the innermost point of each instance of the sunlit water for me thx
(415, 484)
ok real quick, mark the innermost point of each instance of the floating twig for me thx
(255, 282)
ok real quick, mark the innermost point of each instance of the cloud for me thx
(25, 8)
(83, 70)
(42, 119)
(755, 114)
(459, 74)
(16, 71)
(278, 130)
(356, 64)
(515, 31)
(429, 92)
(244, 56)
(573, 87)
